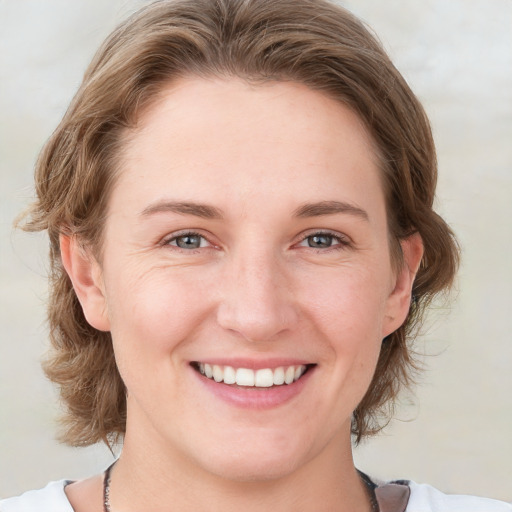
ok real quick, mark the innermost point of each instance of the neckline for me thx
(369, 485)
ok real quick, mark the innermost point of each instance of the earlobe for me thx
(86, 277)
(399, 301)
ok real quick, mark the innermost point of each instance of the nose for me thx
(257, 297)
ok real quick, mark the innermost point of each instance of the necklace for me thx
(370, 486)
(106, 489)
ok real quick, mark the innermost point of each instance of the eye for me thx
(188, 241)
(320, 241)
(323, 241)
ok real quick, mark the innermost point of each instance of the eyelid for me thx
(343, 240)
(166, 241)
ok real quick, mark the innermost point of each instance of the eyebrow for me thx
(210, 212)
(329, 208)
(184, 208)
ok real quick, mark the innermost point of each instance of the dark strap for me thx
(393, 497)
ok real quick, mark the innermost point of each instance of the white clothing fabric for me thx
(51, 498)
(423, 498)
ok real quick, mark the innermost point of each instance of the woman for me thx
(239, 204)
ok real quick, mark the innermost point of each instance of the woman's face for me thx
(247, 235)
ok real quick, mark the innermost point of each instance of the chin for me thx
(253, 470)
(254, 461)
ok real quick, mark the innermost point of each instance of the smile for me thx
(246, 377)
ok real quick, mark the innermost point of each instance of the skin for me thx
(255, 288)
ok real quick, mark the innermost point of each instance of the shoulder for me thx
(424, 498)
(51, 498)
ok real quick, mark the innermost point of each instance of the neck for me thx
(147, 477)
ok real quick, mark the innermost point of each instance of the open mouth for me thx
(246, 377)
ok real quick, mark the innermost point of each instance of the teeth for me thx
(244, 377)
(263, 378)
(218, 373)
(279, 376)
(229, 375)
(289, 374)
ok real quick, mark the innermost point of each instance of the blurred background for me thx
(456, 431)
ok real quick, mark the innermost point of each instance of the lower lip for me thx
(253, 397)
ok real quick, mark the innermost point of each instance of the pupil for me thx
(188, 242)
(320, 241)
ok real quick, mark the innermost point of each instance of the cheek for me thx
(153, 311)
(153, 315)
(349, 313)
(349, 301)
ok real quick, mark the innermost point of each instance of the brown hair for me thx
(312, 42)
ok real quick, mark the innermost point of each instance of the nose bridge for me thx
(256, 299)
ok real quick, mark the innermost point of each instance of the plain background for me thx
(456, 432)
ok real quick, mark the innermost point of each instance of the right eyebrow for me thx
(330, 208)
(204, 211)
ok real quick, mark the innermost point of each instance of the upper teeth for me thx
(263, 378)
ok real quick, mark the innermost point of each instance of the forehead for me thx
(236, 105)
(237, 140)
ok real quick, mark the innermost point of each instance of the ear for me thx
(399, 301)
(86, 277)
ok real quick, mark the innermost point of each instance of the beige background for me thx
(457, 55)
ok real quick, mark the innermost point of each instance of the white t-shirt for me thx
(51, 498)
(423, 498)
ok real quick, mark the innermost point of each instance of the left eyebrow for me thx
(329, 208)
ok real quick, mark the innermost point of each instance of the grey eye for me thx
(189, 241)
(320, 241)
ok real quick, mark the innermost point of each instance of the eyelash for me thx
(341, 241)
(184, 234)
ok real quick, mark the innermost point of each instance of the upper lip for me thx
(254, 364)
